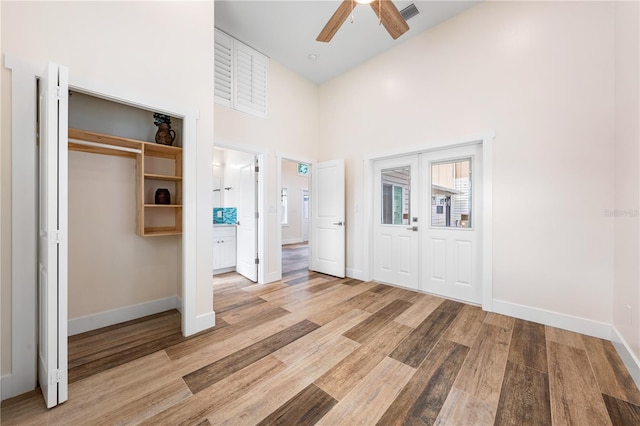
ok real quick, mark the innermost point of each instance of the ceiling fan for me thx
(387, 12)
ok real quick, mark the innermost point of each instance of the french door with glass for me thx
(427, 222)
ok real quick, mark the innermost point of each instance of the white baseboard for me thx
(630, 360)
(116, 316)
(291, 241)
(272, 277)
(357, 274)
(205, 321)
(554, 319)
(6, 387)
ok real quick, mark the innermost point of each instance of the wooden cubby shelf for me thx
(156, 166)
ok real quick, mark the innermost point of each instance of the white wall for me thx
(123, 45)
(539, 74)
(626, 290)
(292, 231)
(291, 129)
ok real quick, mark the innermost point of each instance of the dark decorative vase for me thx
(165, 135)
(163, 196)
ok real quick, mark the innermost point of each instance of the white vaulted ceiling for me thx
(286, 31)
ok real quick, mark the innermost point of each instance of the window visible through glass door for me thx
(451, 194)
(396, 193)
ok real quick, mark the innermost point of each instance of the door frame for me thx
(486, 141)
(279, 158)
(24, 242)
(261, 203)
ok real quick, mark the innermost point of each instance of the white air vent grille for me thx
(409, 12)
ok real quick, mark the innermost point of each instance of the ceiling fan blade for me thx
(391, 18)
(336, 21)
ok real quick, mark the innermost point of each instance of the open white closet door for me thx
(52, 247)
(247, 240)
(327, 244)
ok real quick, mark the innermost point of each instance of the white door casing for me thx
(327, 244)
(396, 245)
(304, 212)
(246, 237)
(453, 255)
(52, 225)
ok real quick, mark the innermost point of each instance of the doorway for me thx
(294, 216)
(235, 212)
(428, 224)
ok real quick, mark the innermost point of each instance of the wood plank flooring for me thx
(313, 349)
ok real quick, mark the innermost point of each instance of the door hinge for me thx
(59, 93)
(257, 169)
(257, 215)
(56, 376)
(257, 261)
(57, 237)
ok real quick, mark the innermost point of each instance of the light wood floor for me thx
(316, 349)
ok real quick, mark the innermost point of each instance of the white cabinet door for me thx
(224, 247)
(228, 252)
(327, 254)
(52, 259)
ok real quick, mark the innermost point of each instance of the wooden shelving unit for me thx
(157, 166)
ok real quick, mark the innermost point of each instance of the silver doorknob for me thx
(338, 223)
(412, 228)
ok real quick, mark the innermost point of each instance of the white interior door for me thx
(452, 239)
(52, 247)
(396, 225)
(327, 243)
(247, 239)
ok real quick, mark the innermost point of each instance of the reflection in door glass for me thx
(396, 190)
(451, 194)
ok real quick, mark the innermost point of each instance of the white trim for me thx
(205, 321)
(487, 223)
(116, 316)
(486, 140)
(291, 240)
(224, 270)
(6, 387)
(357, 274)
(629, 359)
(554, 319)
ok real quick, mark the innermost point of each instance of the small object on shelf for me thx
(163, 196)
(165, 135)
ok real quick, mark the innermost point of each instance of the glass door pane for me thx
(451, 194)
(396, 193)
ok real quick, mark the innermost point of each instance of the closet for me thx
(125, 249)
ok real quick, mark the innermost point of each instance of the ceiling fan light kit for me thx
(387, 13)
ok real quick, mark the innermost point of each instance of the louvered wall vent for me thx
(409, 12)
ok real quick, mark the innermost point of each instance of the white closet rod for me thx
(102, 145)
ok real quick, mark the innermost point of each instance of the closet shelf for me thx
(152, 176)
(159, 232)
(165, 218)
